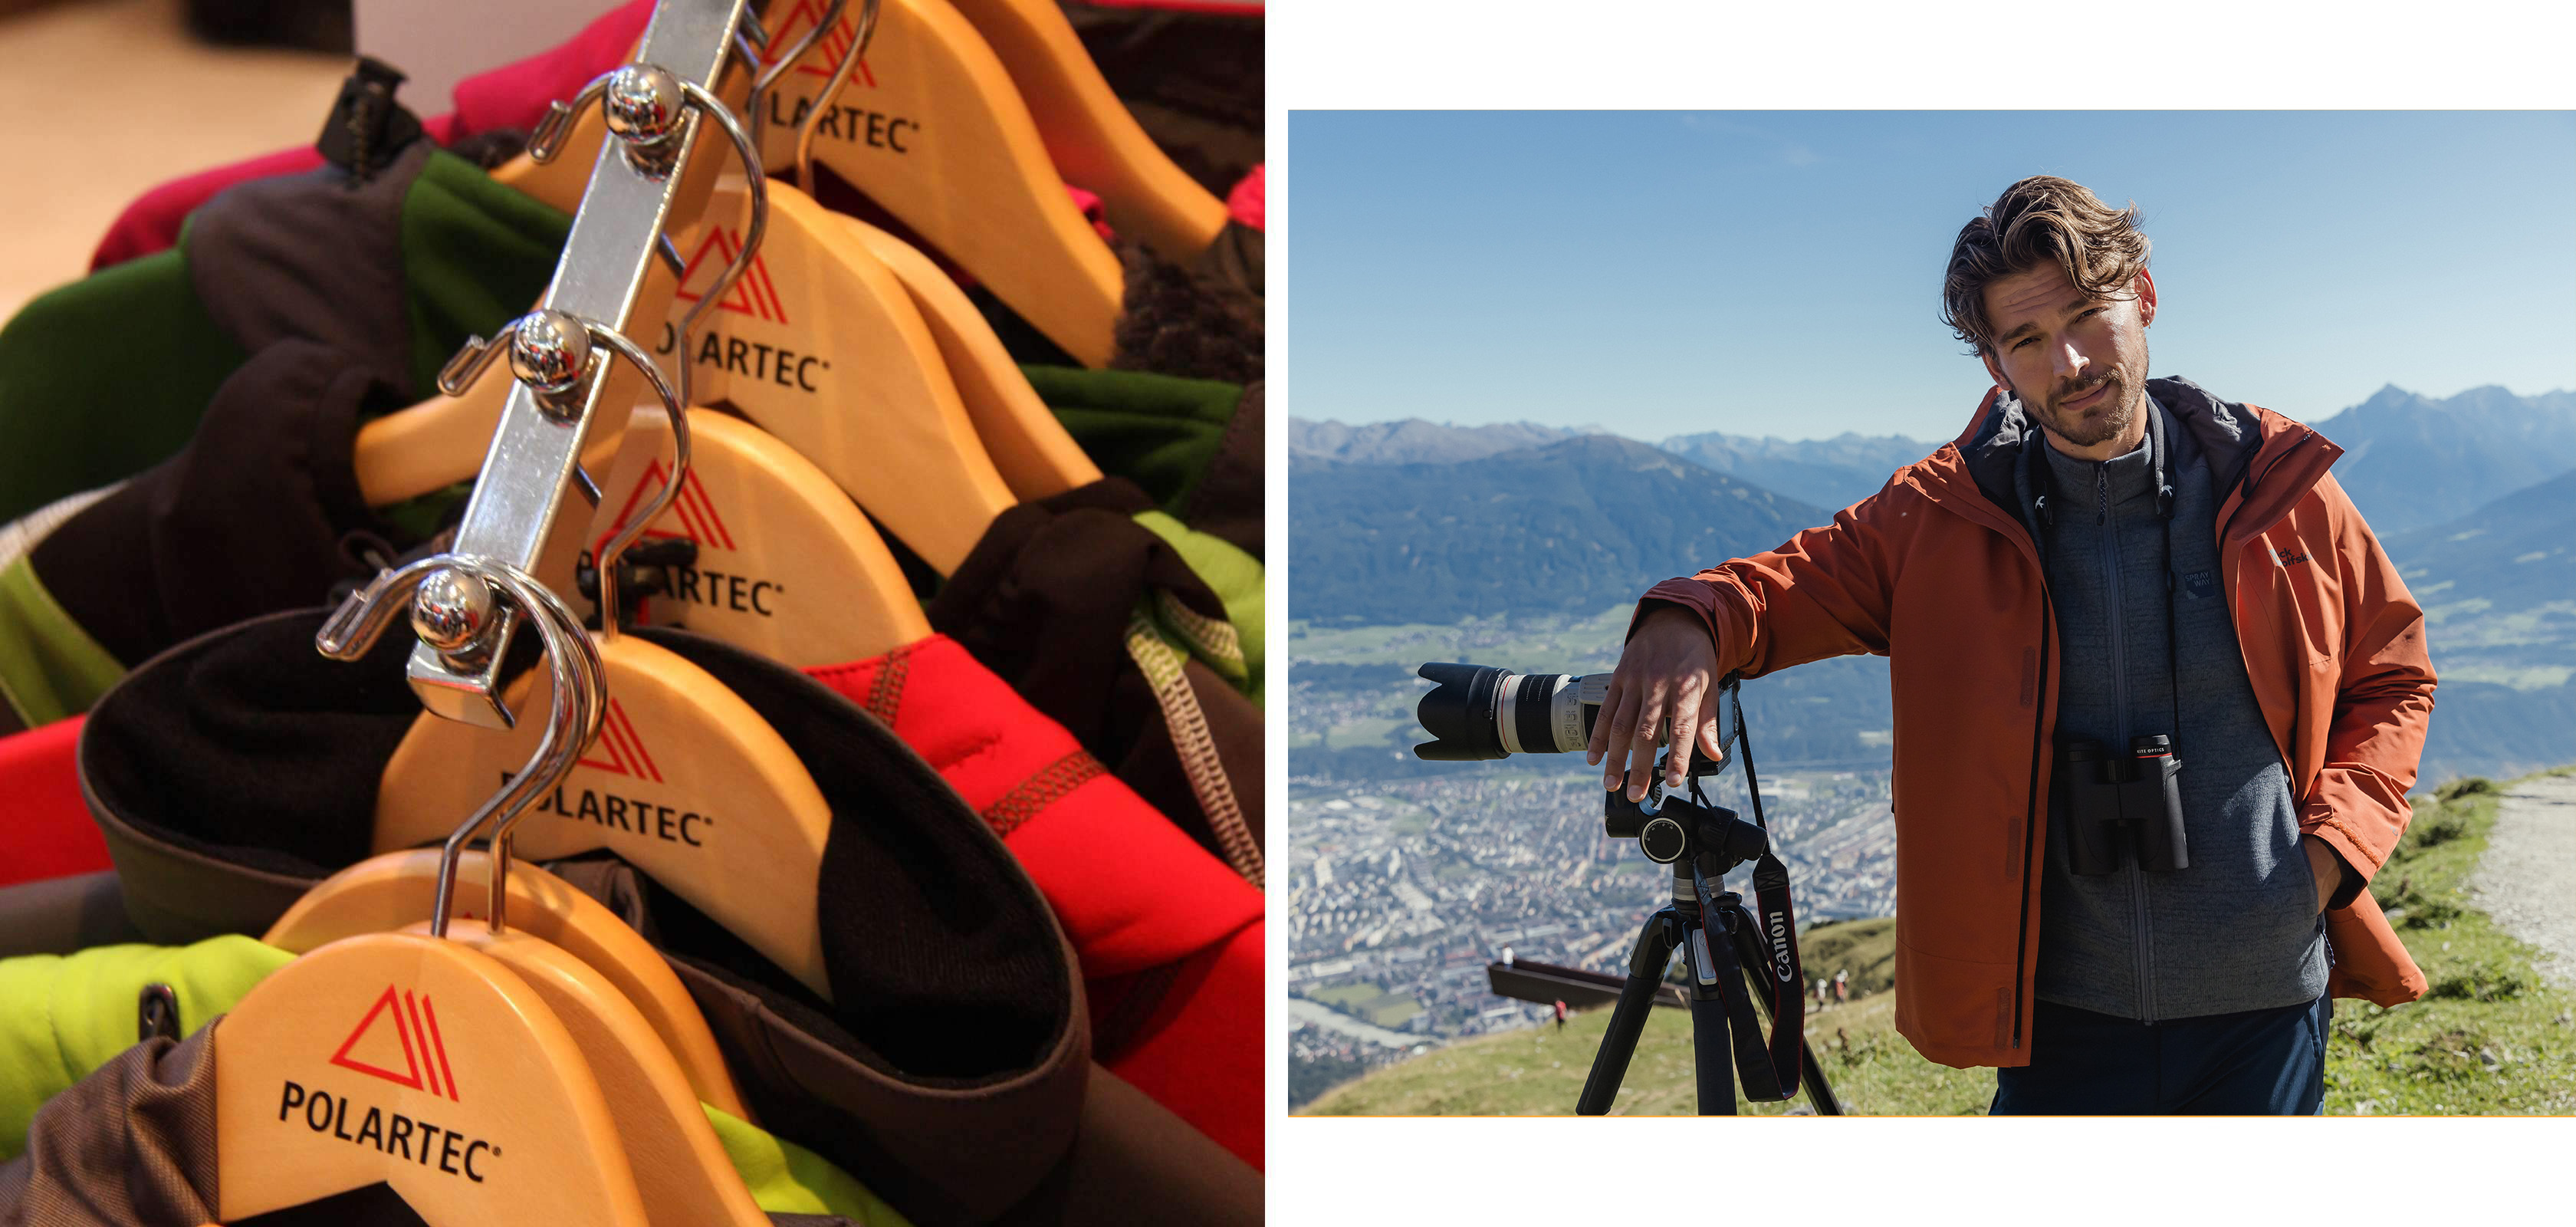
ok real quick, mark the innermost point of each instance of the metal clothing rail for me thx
(516, 513)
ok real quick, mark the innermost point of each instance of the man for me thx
(2098, 557)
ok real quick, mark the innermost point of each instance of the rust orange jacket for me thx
(1938, 572)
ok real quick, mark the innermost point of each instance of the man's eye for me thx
(2025, 343)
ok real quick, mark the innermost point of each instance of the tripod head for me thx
(1669, 829)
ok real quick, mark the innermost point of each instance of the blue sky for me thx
(1779, 273)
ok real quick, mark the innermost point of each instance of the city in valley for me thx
(1402, 891)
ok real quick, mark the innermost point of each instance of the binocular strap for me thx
(1766, 946)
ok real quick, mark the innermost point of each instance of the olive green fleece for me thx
(104, 378)
(64, 1016)
(476, 255)
(1158, 431)
(49, 666)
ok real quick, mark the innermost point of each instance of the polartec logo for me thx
(415, 1040)
(754, 294)
(696, 512)
(620, 749)
(818, 62)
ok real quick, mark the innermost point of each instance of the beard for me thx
(2116, 410)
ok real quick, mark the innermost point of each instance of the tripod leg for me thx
(1709, 1051)
(1636, 999)
(1819, 1094)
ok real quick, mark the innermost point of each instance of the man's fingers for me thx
(1614, 722)
(1642, 726)
(1685, 709)
(1710, 745)
(1599, 743)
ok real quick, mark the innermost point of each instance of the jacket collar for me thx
(2275, 460)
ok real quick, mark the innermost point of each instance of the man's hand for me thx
(2321, 859)
(1666, 678)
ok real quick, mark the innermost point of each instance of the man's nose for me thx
(2071, 362)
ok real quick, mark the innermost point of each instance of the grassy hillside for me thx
(2489, 1039)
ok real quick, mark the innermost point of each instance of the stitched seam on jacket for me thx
(1050, 784)
(1162, 666)
(885, 695)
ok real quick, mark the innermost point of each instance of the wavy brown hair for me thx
(2042, 219)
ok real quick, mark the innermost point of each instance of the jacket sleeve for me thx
(1825, 592)
(2382, 705)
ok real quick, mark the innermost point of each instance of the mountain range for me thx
(1570, 526)
(2409, 460)
(2500, 603)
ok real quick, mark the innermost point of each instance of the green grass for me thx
(2489, 1038)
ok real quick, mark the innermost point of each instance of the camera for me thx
(1479, 712)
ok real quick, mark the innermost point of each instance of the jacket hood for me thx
(231, 773)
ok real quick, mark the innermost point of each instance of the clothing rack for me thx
(514, 516)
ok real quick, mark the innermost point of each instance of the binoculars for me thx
(2115, 803)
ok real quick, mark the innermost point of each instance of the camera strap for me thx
(1766, 940)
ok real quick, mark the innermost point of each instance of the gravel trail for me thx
(2527, 880)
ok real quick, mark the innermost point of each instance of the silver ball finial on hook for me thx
(451, 610)
(550, 351)
(643, 104)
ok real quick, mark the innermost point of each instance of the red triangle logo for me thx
(695, 511)
(819, 62)
(415, 1040)
(754, 294)
(621, 751)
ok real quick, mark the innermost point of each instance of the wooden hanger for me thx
(384, 893)
(930, 127)
(455, 1084)
(1090, 135)
(680, 1167)
(787, 566)
(685, 782)
(1028, 445)
(822, 347)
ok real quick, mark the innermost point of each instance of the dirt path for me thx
(2528, 879)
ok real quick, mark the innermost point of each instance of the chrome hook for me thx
(850, 56)
(579, 703)
(645, 106)
(779, 66)
(555, 353)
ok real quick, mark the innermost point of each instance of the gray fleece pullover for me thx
(2238, 929)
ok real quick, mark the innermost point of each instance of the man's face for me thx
(2078, 362)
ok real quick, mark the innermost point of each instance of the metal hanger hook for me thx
(813, 121)
(578, 706)
(753, 232)
(677, 410)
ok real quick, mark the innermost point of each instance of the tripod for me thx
(1684, 925)
(1701, 842)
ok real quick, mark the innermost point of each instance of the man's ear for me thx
(2146, 286)
(1987, 356)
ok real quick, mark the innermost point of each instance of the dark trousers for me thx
(2256, 1063)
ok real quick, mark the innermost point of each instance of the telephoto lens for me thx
(2094, 836)
(1480, 712)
